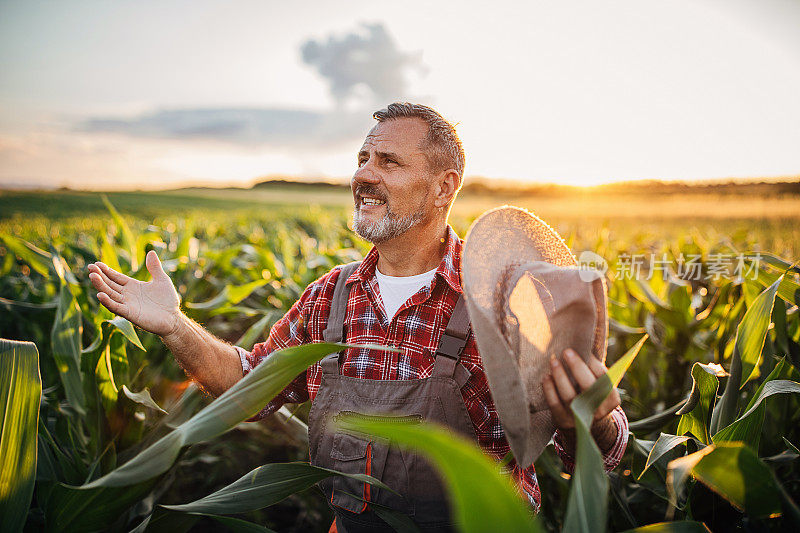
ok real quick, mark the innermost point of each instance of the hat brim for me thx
(499, 241)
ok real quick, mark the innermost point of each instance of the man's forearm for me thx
(213, 363)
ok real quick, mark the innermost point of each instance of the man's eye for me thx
(361, 162)
(391, 161)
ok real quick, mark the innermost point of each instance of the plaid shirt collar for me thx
(449, 269)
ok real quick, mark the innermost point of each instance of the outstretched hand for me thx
(153, 305)
(559, 390)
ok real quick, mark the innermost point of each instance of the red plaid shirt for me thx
(415, 330)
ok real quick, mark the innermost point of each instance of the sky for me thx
(146, 94)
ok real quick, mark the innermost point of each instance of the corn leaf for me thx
(71, 509)
(142, 397)
(694, 415)
(749, 342)
(37, 259)
(679, 526)
(265, 486)
(656, 421)
(789, 288)
(66, 341)
(127, 240)
(20, 393)
(490, 504)
(236, 525)
(588, 496)
(663, 444)
(237, 404)
(254, 332)
(747, 428)
(732, 470)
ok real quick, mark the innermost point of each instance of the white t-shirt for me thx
(395, 291)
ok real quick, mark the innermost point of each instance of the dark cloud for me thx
(371, 60)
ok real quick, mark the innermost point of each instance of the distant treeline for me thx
(481, 186)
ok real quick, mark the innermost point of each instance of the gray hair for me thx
(442, 146)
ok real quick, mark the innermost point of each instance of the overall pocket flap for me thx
(347, 447)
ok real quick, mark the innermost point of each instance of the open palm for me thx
(152, 305)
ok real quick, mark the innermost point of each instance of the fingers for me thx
(154, 265)
(562, 383)
(99, 283)
(113, 275)
(115, 307)
(611, 402)
(579, 369)
(558, 410)
(94, 269)
(597, 368)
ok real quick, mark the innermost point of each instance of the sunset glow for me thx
(155, 95)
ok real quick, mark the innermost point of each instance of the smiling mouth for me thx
(370, 201)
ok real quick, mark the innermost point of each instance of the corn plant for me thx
(120, 440)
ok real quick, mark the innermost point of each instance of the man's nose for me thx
(365, 174)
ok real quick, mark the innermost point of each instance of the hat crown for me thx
(528, 301)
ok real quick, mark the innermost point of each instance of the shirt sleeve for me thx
(565, 445)
(289, 331)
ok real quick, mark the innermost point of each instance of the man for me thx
(403, 294)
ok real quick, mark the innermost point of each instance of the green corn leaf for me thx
(71, 509)
(112, 359)
(237, 404)
(679, 526)
(142, 397)
(791, 446)
(37, 259)
(657, 421)
(126, 328)
(265, 486)
(238, 293)
(492, 504)
(694, 415)
(749, 342)
(20, 393)
(235, 525)
(255, 332)
(66, 341)
(127, 240)
(753, 329)
(588, 496)
(108, 255)
(398, 521)
(747, 428)
(663, 444)
(769, 270)
(229, 295)
(733, 471)
(163, 521)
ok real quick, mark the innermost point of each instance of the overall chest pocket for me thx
(374, 456)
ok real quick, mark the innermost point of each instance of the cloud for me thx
(372, 61)
(241, 126)
(353, 65)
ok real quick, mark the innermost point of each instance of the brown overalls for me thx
(433, 399)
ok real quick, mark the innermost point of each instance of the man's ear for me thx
(447, 185)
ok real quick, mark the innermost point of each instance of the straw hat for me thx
(528, 300)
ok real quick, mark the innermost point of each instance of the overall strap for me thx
(452, 343)
(334, 328)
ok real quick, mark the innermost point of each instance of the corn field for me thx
(103, 432)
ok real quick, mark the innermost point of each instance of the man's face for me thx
(392, 185)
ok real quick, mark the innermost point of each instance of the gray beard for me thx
(388, 227)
